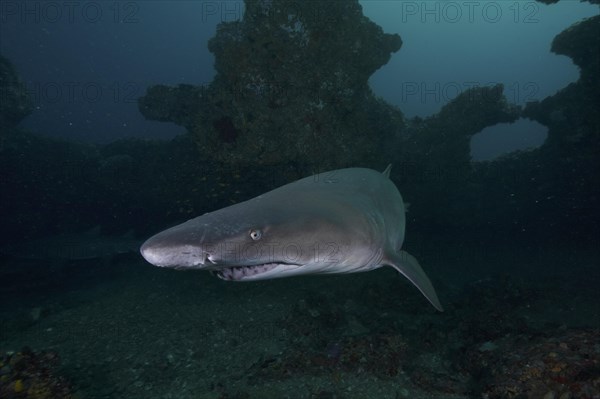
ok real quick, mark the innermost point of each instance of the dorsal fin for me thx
(387, 171)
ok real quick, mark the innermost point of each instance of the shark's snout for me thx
(160, 252)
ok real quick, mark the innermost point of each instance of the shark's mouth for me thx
(247, 272)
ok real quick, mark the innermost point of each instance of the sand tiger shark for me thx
(343, 221)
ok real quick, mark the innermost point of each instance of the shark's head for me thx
(250, 242)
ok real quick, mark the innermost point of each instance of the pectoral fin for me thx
(406, 264)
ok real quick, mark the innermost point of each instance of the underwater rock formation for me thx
(291, 98)
(551, 191)
(433, 157)
(569, 157)
(15, 104)
(571, 114)
(445, 137)
(291, 87)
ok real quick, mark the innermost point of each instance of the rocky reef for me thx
(433, 165)
(30, 375)
(446, 136)
(291, 98)
(291, 87)
(550, 191)
(571, 114)
(291, 94)
(568, 161)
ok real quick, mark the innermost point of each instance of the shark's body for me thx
(343, 221)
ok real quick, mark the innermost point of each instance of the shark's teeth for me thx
(239, 272)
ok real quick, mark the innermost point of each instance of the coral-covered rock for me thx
(546, 191)
(291, 86)
(29, 375)
(580, 42)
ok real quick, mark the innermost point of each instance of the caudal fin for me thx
(406, 264)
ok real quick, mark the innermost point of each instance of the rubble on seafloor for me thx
(489, 351)
(563, 365)
(32, 375)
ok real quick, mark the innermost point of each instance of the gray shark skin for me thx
(342, 221)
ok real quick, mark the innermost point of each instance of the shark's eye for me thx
(255, 234)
